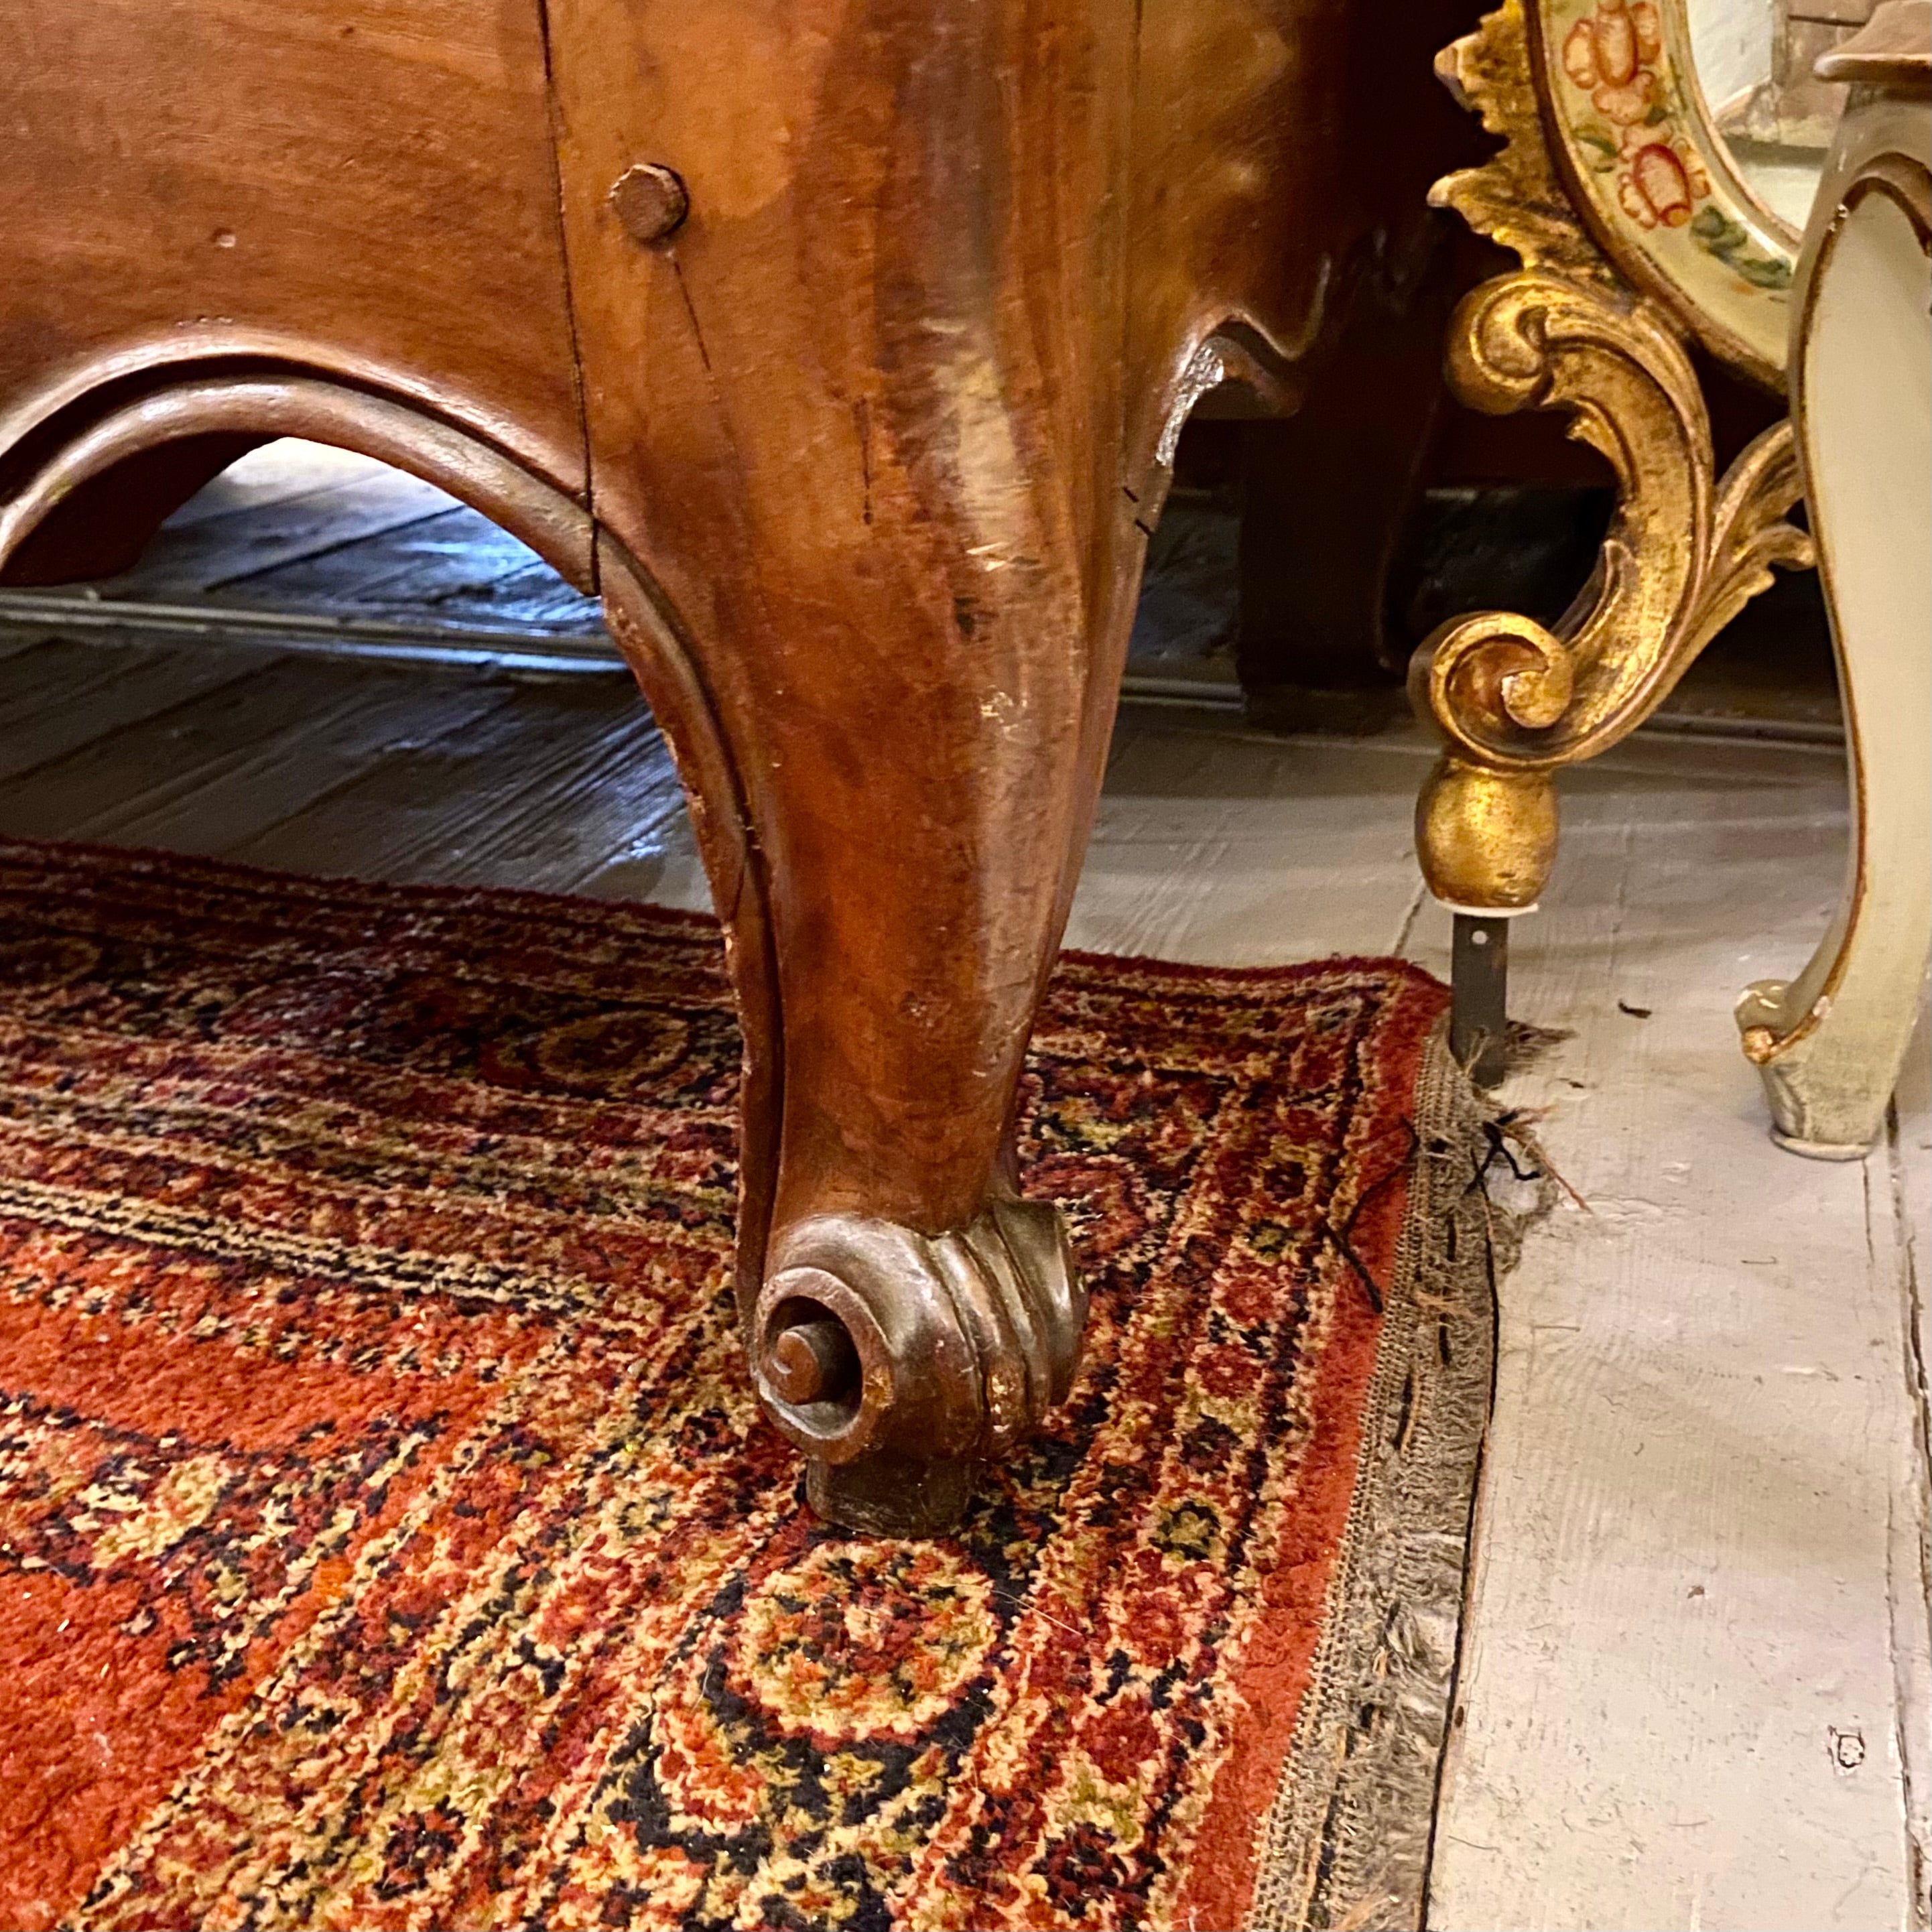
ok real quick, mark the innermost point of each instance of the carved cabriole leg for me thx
(1514, 700)
(1830, 1043)
(907, 1315)
(876, 397)
(869, 474)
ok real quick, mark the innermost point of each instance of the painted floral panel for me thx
(1654, 170)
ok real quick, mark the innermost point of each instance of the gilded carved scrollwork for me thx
(1514, 699)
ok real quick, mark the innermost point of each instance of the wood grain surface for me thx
(361, 186)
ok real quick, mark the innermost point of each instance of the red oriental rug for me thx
(388, 1536)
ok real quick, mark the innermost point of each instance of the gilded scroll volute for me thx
(1512, 698)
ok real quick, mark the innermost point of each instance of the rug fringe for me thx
(1346, 1843)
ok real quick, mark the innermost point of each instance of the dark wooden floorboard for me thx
(58, 694)
(272, 474)
(225, 552)
(539, 790)
(451, 774)
(456, 567)
(206, 775)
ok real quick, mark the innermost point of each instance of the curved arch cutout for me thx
(530, 508)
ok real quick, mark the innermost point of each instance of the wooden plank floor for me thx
(1694, 1687)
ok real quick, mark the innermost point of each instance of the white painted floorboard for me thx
(1694, 1686)
(1693, 1690)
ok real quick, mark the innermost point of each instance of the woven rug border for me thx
(1346, 1842)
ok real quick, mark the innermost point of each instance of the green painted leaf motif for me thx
(1762, 272)
(1730, 242)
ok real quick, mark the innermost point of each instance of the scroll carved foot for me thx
(1828, 1095)
(898, 1361)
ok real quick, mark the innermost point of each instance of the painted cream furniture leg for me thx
(1830, 1043)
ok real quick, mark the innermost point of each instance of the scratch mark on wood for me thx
(861, 421)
